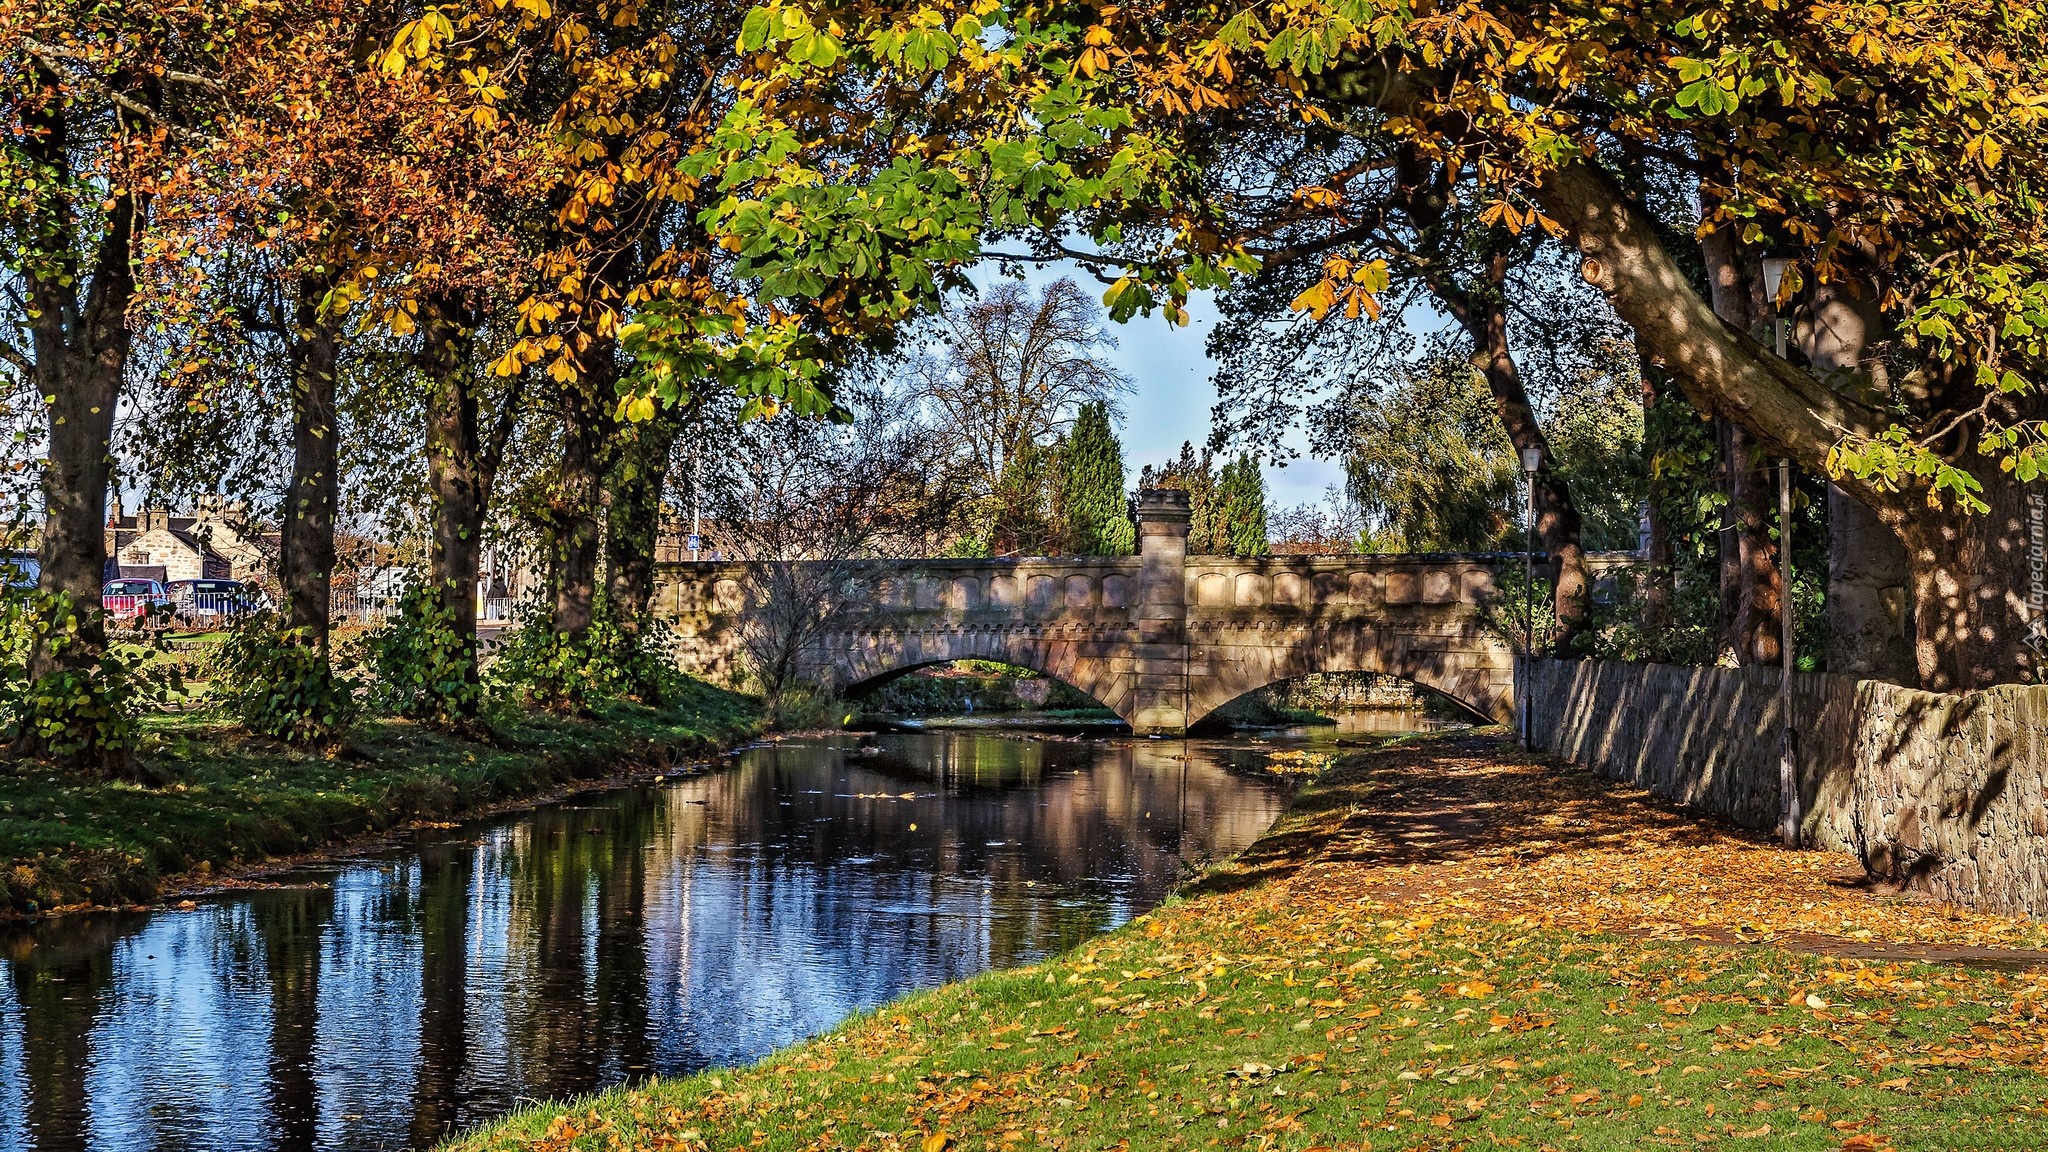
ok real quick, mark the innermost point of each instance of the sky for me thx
(1175, 394)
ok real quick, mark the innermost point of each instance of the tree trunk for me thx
(579, 521)
(457, 474)
(1558, 523)
(1980, 589)
(1752, 503)
(1660, 597)
(633, 523)
(81, 354)
(1752, 593)
(1867, 572)
(306, 555)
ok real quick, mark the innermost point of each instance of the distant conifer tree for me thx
(1023, 521)
(1095, 513)
(1191, 474)
(1239, 525)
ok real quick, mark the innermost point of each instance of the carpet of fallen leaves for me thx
(1443, 946)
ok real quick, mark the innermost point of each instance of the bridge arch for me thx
(862, 662)
(1480, 682)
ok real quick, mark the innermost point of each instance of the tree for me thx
(1536, 110)
(634, 520)
(1335, 526)
(1094, 512)
(802, 504)
(1239, 524)
(85, 123)
(1195, 476)
(1019, 513)
(1430, 467)
(1015, 371)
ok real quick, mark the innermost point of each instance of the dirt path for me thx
(1473, 826)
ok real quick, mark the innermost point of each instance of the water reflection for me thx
(381, 1003)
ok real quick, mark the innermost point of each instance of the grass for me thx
(227, 799)
(1352, 982)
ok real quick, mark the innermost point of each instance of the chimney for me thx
(114, 512)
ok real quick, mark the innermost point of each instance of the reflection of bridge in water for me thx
(1161, 638)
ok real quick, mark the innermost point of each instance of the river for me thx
(382, 1000)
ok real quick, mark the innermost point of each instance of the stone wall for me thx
(1946, 794)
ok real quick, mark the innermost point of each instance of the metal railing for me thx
(346, 606)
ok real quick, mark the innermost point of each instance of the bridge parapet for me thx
(1162, 638)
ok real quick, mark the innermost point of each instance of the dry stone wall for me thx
(1944, 793)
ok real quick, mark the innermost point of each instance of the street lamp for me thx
(1532, 461)
(1788, 767)
(1774, 275)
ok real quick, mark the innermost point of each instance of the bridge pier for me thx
(1159, 689)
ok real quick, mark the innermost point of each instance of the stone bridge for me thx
(1161, 638)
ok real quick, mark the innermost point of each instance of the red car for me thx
(133, 600)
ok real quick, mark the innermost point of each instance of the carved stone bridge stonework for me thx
(1161, 638)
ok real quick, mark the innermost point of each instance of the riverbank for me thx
(229, 802)
(1444, 944)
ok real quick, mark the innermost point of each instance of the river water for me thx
(383, 1000)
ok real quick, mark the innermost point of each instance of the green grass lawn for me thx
(228, 799)
(1279, 1006)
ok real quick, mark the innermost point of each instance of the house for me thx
(216, 542)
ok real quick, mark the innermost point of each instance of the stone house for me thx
(216, 542)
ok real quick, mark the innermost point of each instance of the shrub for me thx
(572, 674)
(420, 667)
(82, 714)
(279, 683)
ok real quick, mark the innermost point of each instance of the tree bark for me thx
(81, 358)
(1728, 542)
(579, 519)
(457, 474)
(1978, 584)
(306, 555)
(1752, 499)
(633, 523)
(1660, 597)
(1868, 576)
(1749, 556)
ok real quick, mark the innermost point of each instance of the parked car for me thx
(208, 603)
(134, 600)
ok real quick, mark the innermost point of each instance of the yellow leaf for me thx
(937, 1142)
(1316, 300)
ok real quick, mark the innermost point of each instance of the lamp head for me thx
(1774, 275)
(1532, 460)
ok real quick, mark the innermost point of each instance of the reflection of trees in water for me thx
(288, 931)
(57, 990)
(442, 917)
(585, 945)
(790, 891)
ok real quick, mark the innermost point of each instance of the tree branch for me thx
(19, 359)
(54, 59)
(1721, 370)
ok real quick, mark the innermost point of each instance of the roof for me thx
(179, 530)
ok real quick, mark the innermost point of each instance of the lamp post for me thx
(1532, 460)
(1788, 765)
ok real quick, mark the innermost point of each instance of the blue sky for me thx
(1174, 393)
